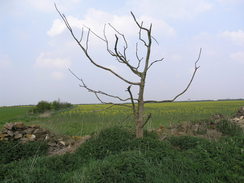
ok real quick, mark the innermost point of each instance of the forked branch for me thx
(85, 50)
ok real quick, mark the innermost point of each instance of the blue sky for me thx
(36, 49)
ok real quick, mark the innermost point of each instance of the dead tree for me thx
(140, 69)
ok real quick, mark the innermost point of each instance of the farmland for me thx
(115, 155)
(86, 119)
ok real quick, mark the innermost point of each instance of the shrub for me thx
(44, 106)
(186, 142)
(109, 141)
(14, 151)
(57, 105)
(229, 128)
(129, 166)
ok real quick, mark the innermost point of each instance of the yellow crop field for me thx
(85, 119)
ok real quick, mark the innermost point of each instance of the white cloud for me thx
(46, 61)
(183, 9)
(95, 19)
(48, 5)
(57, 75)
(236, 36)
(238, 56)
(43, 5)
(230, 1)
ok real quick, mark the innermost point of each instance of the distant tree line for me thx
(44, 106)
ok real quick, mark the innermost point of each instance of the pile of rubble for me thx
(206, 129)
(57, 144)
(239, 117)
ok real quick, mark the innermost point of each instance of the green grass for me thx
(116, 156)
(13, 113)
(80, 120)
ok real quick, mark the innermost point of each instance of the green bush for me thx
(14, 151)
(109, 141)
(57, 105)
(44, 106)
(186, 142)
(229, 128)
(126, 167)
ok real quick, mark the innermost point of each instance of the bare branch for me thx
(145, 122)
(126, 44)
(96, 92)
(99, 110)
(122, 59)
(87, 39)
(193, 75)
(159, 60)
(88, 56)
(138, 58)
(95, 34)
(189, 84)
(82, 33)
(155, 40)
(132, 101)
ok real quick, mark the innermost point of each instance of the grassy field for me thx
(14, 113)
(82, 120)
(115, 155)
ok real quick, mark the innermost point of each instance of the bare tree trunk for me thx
(140, 111)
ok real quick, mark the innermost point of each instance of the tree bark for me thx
(140, 110)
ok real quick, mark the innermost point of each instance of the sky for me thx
(37, 51)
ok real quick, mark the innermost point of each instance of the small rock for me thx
(8, 126)
(62, 143)
(10, 133)
(2, 136)
(30, 137)
(18, 136)
(29, 130)
(19, 125)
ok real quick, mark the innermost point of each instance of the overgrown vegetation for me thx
(44, 106)
(15, 151)
(115, 155)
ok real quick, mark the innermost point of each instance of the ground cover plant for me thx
(115, 155)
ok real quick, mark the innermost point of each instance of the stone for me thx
(2, 136)
(17, 135)
(8, 126)
(19, 125)
(62, 143)
(29, 130)
(10, 133)
(30, 137)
